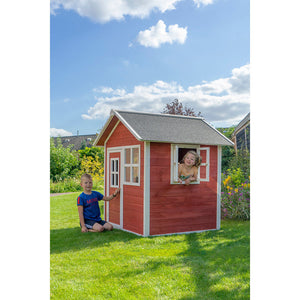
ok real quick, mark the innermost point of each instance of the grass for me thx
(120, 265)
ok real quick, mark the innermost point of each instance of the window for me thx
(132, 165)
(114, 172)
(204, 167)
(177, 154)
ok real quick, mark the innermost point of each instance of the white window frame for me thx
(175, 163)
(132, 165)
(114, 172)
(206, 164)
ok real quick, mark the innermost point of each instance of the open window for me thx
(177, 153)
(204, 167)
(132, 165)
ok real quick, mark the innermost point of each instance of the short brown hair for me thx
(86, 175)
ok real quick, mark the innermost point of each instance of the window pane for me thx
(135, 174)
(135, 155)
(127, 174)
(127, 156)
(112, 179)
(117, 179)
(117, 166)
(112, 165)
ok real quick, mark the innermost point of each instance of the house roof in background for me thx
(77, 140)
(242, 123)
(164, 128)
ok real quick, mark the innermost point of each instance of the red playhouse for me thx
(142, 152)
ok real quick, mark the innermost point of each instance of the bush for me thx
(235, 198)
(63, 161)
(235, 194)
(93, 152)
(65, 185)
(67, 166)
(228, 152)
(92, 166)
(241, 161)
(73, 185)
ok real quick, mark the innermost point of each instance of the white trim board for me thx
(219, 182)
(146, 225)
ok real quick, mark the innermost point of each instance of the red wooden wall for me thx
(179, 208)
(133, 196)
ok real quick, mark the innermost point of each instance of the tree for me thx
(176, 108)
(228, 152)
(63, 161)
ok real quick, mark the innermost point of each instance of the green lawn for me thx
(120, 265)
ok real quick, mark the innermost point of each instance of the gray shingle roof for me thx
(242, 123)
(168, 128)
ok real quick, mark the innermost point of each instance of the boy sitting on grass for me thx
(88, 207)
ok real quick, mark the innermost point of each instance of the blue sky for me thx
(141, 55)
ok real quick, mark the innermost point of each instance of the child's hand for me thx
(117, 191)
(187, 181)
(84, 229)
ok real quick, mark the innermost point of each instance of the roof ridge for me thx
(157, 114)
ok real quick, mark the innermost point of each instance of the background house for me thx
(241, 134)
(78, 141)
(142, 152)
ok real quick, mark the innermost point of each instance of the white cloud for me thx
(203, 2)
(103, 11)
(157, 35)
(59, 132)
(221, 101)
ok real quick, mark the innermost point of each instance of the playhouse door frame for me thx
(107, 182)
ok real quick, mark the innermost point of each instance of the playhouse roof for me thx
(164, 128)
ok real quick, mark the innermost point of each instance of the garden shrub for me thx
(63, 161)
(67, 166)
(235, 199)
(92, 166)
(235, 194)
(72, 184)
(93, 152)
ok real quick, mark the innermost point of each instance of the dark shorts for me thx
(90, 223)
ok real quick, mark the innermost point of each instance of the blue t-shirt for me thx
(91, 210)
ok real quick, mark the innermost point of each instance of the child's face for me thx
(87, 184)
(190, 160)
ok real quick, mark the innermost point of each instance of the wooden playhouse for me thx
(142, 152)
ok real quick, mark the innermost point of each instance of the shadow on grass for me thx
(72, 239)
(218, 261)
(220, 265)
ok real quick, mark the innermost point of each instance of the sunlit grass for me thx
(120, 265)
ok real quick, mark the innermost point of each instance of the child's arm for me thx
(110, 197)
(193, 177)
(81, 218)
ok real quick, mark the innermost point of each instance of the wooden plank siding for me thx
(179, 208)
(132, 195)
